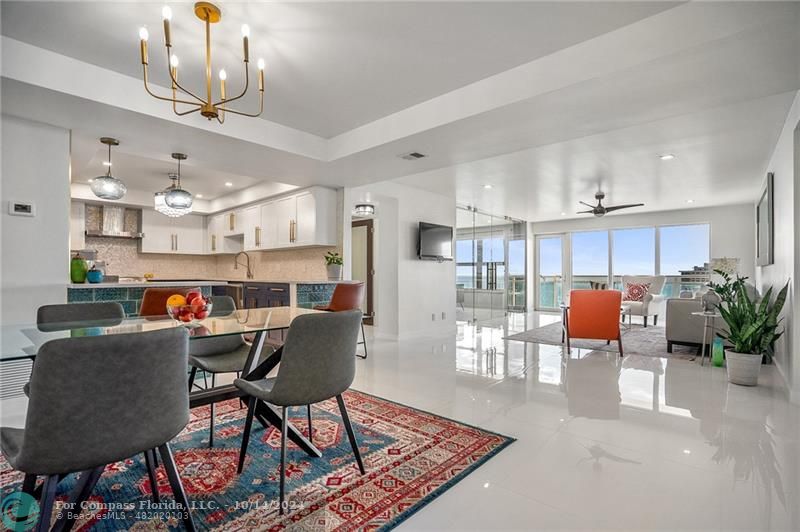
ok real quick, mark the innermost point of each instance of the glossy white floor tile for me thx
(640, 443)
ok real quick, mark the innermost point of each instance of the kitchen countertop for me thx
(144, 284)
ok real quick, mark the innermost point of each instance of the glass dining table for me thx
(20, 342)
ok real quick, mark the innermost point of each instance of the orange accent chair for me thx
(154, 300)
(347, 296)
(594, 315)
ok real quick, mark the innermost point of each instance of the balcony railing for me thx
(550, 292)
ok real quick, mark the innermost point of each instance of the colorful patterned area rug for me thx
(411, 457)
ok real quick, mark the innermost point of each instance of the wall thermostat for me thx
(21, 208)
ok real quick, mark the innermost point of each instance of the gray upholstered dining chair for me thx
(221, 354)
(64, 316)
(318, 363)
(98, 400)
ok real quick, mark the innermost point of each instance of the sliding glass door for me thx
(549, 271)
(490, 266)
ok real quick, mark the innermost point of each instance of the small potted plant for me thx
(333, 262)
(753, 327)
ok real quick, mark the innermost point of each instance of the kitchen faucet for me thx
(236, 263)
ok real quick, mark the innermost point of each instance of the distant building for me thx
(698, 274)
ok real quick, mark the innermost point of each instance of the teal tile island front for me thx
(129, 295)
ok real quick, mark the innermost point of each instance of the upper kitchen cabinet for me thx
(252, 227)
(182, 235)
(233, 225)
(304, 219)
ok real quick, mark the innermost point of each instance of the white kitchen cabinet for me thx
(77, 225)
(251, 225)
(305, 225)
(232, 225)
(285, 214)
(269, 225)
(162, 234)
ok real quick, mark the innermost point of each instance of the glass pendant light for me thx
(174, 201)
(107, 186)
(176, 197)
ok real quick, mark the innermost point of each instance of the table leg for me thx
(705, 334)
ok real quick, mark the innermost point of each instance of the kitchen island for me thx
(129, 294)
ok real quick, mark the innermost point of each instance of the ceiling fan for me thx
(601, 210)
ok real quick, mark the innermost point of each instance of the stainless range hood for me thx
(113, 223)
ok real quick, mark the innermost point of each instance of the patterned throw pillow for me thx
(635, 291)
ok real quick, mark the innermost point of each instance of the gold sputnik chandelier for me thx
(209, 14)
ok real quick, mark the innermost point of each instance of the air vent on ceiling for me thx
(412, 156)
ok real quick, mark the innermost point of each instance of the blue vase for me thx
(94, 276)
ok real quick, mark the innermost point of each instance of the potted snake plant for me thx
(333, 263)
(753, 327)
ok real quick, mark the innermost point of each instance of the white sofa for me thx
(654, 304)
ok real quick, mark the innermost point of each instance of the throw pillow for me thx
(635, 291)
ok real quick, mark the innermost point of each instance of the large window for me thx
(681, 253)
(589, 258)
(684, 248)
(634, 252)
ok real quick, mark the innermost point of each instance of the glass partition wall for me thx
(599, 259)
(490, 265)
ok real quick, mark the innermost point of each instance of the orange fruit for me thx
(176, 300)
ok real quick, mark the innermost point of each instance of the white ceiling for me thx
(331, 66)
(546, 102)
(150, 173)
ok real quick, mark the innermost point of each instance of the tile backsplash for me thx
(122, 258)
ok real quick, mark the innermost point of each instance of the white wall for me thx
(785, 164)
(732, 228)
(408, 291)
(35, 250)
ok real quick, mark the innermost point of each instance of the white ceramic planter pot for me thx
(334, 272)
(743, 368)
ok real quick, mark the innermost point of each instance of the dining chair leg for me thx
(363, 341)
(177, 486)
(151, 474)
(46, 503)
(310, 428)
(619, 341)
(80, 493)
(29, 483)
(213, 414)
(284, 430)
(350, 434)
(192, 375)
(248, 425)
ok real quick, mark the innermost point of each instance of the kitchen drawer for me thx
(266, 295)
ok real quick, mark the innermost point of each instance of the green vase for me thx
(717, 353)
(78, 269)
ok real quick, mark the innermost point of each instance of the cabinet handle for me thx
(172, 242)
(253, 288)
(232, 221)
(292, 231)
(176, 242)
(258, 237)
(213, 242)
(277, 289)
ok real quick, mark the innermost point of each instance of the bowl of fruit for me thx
(189, 308)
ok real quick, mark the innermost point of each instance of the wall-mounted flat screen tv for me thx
(435, 242)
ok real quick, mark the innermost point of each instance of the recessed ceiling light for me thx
(90, 180)
(106, 163)
(666, 157)
(198, 195)
(689, 201)
(228, 184)
(563, 214)
(487, 186)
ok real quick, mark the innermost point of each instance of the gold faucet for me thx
(236, 263)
